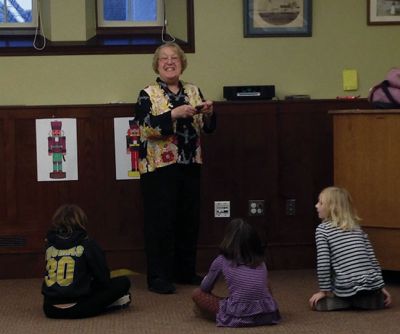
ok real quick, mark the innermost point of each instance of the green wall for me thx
(295, 65)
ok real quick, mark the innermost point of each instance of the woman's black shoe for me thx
(194, 280)
(161, 286)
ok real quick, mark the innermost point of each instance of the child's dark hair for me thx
(242, 244)
(69, 218)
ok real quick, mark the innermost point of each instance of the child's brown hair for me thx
(69, 218)
(242, 244)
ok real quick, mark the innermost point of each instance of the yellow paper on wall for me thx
(350, 80)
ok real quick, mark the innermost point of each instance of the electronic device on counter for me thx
(297, 97)
(249, 92)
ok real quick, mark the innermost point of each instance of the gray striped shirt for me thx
(346, 263)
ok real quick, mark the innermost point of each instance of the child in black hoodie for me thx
(77, 283)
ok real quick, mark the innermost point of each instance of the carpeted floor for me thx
(149, 313)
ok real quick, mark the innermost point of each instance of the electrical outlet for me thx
(222, 209)
(256, 207)
(290, 207)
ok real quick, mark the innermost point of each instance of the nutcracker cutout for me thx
(132, 147)
(57, 149)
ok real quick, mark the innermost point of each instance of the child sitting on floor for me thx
(349, 274)
(241, 262)
(77, 283)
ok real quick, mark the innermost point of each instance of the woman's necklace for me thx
(174, 89)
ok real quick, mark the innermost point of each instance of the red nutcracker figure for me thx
(132, 147)
(57, 148)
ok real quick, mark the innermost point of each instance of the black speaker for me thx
(249, 92)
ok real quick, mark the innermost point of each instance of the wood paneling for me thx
(240, 164)
(386, 245)
(113, 207)
(260, 150)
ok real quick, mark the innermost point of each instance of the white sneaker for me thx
(122, 302)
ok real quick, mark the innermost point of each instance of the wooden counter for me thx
(367, 163)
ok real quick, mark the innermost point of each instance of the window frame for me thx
(124, 40)
(101, 23)
(22, 26)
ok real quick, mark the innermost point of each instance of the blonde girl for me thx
(349, 274)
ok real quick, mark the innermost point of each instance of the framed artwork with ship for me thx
(275, 18)
(383, 12)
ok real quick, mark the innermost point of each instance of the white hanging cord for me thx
(38, 30)
(164, 31)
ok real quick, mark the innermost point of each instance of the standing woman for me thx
(171, 114)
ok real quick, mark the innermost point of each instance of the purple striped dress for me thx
(249, 302)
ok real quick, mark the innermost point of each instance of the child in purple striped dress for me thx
(241, 262)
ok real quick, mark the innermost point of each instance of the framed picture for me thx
(382, 12)
(275, 18)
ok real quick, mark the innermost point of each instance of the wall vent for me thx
(7, 241)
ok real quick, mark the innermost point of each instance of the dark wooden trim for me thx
(190, 47)
(107, 41)
(133, 31)
(10, 177)
(110, 44)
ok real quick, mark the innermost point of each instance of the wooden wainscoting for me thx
(263, 150)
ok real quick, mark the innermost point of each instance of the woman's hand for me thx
(316, 297)
(206, 108)
(186, 110)
(183, 111)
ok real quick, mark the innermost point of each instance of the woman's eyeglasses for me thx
(172, 59)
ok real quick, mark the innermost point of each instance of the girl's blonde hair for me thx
(69, 218)
(341, 211)
(178, 50)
